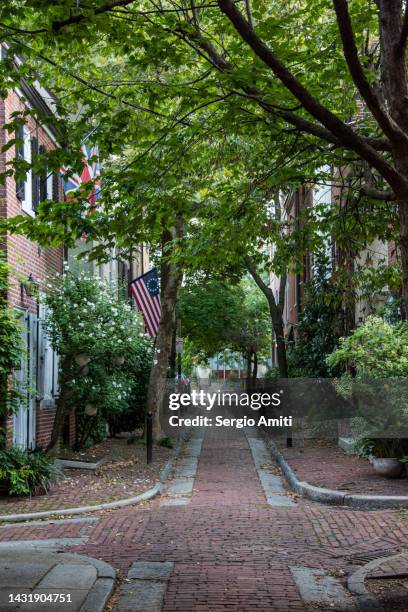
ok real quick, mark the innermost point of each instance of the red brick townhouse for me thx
(356, 310)
(32, 424)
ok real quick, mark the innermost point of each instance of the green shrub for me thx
(374, 362)
(379, 447)
(166, 442)
(86, 316)
(319, 325)
(27, 473)
(10, 349)
(375, 350)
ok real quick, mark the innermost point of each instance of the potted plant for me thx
(384, 455)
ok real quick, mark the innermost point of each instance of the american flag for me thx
(146, 291)
(90, 172)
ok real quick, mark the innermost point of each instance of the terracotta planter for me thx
(390, 468)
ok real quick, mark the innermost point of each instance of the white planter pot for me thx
(390, 468)
(82, 359)
(91, 409)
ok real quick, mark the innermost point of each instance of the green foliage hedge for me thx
(26, 473)
(87, 316)
(10, 349)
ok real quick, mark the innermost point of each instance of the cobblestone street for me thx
(230, 549)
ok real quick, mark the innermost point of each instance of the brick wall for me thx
(25, 257)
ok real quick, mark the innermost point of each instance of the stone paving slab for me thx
(174, 501)
(69, 576)
(141, 596)
(150, 570)
(318, 589)
(179, 486)
(272, 484)
(146, 587)
(175, 490)
(187, 467)
(41, 572)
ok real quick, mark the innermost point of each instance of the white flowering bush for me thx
(105, 354)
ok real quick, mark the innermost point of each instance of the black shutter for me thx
(55, 187)
(20, 183)
(43, 177)
(35, 181)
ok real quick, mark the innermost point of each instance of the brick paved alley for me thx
(230, 549)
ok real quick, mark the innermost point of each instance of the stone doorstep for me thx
(81, 465)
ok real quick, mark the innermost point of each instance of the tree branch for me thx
(266, 290)
(206, 50)
(378, 194)
(357, 73)
(58, 25)
(348, 138)
(402, 43)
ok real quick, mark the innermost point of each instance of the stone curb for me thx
(120, 503)
(356, 583)
(332, 496)
(98, 595)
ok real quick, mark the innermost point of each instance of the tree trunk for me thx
(276, 312)
(248, 370)
(171, 278)
(403, 217)
(173, 354)
(278, 328)
(61, 407)
(255, 370)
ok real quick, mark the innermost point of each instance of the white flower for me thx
(155, 362)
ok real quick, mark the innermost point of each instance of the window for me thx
(37, 186)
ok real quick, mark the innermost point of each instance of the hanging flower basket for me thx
(91, 409)
(119, 360)
(82, 359)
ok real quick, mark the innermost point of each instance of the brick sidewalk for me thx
(328, 466)
(231, 551)
(125, 474)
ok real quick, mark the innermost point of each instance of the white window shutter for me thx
(46, 368)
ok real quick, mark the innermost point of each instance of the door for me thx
(24, 419)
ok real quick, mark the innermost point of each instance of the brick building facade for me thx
(378, 252)
(31, 265)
